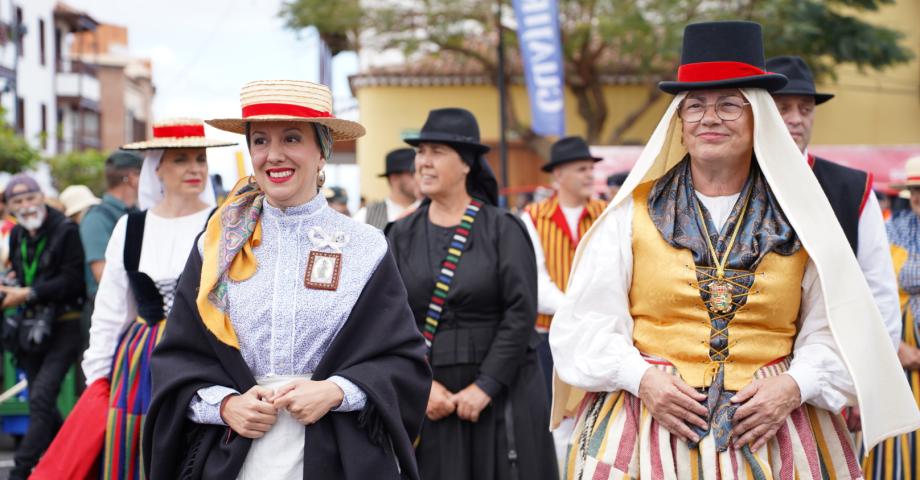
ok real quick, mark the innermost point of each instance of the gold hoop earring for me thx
(321, 179)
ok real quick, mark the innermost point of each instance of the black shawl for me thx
(378, 348)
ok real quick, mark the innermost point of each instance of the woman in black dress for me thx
(471, 276)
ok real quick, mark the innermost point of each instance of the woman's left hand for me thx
(767, 404)
(471, 401)
(308, 401)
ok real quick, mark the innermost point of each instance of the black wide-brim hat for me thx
(723, 55)
(801, 81)
(401, 160)
(567, 150)
(456, 127)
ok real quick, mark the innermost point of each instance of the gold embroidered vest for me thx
(672, 322)
(557, 242)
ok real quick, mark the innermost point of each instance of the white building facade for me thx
(47, 98)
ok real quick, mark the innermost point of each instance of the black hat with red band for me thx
(723, 55)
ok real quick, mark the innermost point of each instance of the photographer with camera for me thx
(43, 334)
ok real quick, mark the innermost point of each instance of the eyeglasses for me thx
(692, 111)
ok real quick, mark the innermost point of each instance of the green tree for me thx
(79, 168)
(16, 154)
(603, 38)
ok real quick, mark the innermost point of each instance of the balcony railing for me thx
(77, 80)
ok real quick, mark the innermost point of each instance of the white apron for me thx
(278, 455)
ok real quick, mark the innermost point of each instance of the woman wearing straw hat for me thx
(471, 275)
(290, 352)
(896, 458)
(144, 258)
(716, 312)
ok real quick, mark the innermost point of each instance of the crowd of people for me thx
(733, 307)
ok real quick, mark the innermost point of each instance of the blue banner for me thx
(541, 50)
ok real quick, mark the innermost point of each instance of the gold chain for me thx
(720, 264)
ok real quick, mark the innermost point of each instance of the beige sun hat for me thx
(77, 198)
(911, 175)
(178, 133)
(288, 100)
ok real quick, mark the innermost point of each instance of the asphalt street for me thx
(6, 455)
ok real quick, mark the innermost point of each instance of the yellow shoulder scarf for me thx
(233, 232)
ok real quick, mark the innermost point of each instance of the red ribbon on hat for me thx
(286, 109)
(178, 131)
(714, 71)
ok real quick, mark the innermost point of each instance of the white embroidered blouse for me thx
(283, 327)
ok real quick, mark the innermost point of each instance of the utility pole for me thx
(18, 31)
(502, 100)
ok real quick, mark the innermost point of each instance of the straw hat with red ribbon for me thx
(288, 100)
(178, 133)
(911, 175)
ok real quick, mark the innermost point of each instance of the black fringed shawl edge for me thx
(378, 348)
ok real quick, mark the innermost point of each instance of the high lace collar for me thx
(298, 212)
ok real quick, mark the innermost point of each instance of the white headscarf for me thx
(886, 402)
(150, 188)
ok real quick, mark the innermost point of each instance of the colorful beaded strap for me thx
(448, 267)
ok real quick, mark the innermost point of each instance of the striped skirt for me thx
(129, 400)
(615, 437)
(899, 457)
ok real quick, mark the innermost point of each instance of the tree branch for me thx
(486, 63)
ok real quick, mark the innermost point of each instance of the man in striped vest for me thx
(403, 198)
(556, 225)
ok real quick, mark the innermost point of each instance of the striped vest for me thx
(377, 215)
(557, 242)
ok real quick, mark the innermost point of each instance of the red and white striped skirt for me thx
(615, 437)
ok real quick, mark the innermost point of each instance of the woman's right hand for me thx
(439, 403)
(673, 403)
(250, 415)
(909, 356)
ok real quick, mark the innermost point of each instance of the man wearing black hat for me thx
(848, 190)
(614, 182)
(400, 174)
(557, 224)
(122, 171)
(337, 198)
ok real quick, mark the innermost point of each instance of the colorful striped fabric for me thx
(128, 401)
(616, 438)
(446, 276)
(558, 243)
(898, 458)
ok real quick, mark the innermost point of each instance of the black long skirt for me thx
(455, 449)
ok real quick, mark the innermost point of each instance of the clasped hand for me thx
(764, 406)
(253, 413)
(467, 403)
